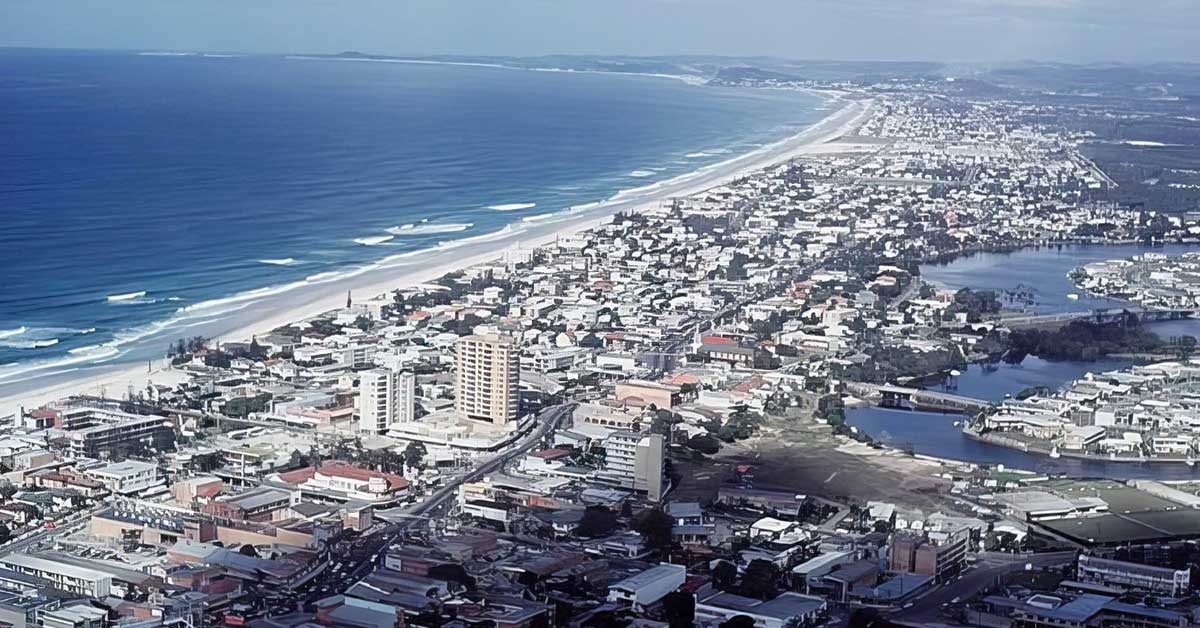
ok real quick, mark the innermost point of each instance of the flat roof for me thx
(650, 576)
(1035, 501)
(127, 467)
(784, 607)
(820, 561)
(1127, 528)
(53, 566)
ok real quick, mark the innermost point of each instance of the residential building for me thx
(633, 460)
(385, 397)
(487, 371)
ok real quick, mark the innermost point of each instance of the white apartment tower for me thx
(487, 371)
(385, 397)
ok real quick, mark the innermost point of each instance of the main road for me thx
(548, 421)
(927, 610)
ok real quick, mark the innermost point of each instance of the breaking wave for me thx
(374, 240)
(426, 229)
(512, 207)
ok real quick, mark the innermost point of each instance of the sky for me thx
(1076, 31)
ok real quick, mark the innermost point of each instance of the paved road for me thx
(408, 516)
(927, 610)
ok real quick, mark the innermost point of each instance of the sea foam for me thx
(374, 240)
(426, 229)
(512, 207)
(128, 296)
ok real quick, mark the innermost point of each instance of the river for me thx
(1043, 272)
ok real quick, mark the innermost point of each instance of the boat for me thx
(1073, 296)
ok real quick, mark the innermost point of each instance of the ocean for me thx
(146, 198)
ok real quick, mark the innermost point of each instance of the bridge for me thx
(888, 396)
(1102, 316)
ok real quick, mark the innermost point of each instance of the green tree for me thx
(597, 521)
(679, 609)
(655, 526)
(724, 575)
(760, 580)
(704, 444)
(738, 621)
(414, 455)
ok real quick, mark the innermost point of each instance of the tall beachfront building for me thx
(385, 397)
(487, 371)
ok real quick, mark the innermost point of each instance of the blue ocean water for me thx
(146, 198)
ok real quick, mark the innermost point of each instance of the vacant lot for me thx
(805, 458)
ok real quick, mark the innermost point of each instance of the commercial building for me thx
(633, 460)
(787, 609)
(487, 372)
(1085, 611)
(262, 504)
(1160, 580)
(644, 393)
(939, 555)
(385, 397)
(338, 482)
(129, 477)
(647, 588)
(62, 576)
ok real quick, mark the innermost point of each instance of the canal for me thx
(1042, 274)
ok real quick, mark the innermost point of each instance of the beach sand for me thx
(820, 138)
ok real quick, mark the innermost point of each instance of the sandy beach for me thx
(821, 137)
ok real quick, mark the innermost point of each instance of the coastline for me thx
(818, 137)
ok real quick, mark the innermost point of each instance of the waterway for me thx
(1042, 273)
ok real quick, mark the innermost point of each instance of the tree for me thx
(248, 550)
(738, 621)
(591, 341)
(597, 521)
(679, 609)
(760, 580)
(724, 575)
(414, 455)
(655, 526)
(453, 572)
(663, 423)
(704, 444)
(7, 490)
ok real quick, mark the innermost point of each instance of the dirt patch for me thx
(806, 458)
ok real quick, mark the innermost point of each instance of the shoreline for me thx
(1039, 450)
(846, 117)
